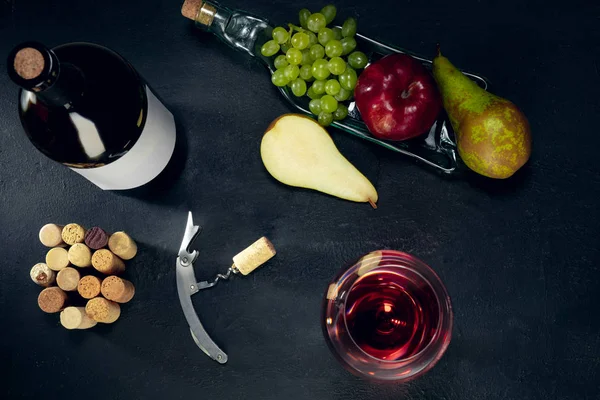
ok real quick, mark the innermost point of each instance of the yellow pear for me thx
(297, 151)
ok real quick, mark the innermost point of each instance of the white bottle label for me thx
(146, 159)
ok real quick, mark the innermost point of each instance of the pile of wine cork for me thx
(81, 272)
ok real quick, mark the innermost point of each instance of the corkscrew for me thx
(243, 263)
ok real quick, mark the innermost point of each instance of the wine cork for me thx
(107, 263)
(89, 287)
(73, 233)
(51, 235)
(117, 289)
(29, 63)
(80, 255)
(190, 8)
(52, 299)
(102, 310)
(42, 275)
(57, 259)
(67, 279)
(254, 256)
(96, 238)
(76, 318)
(122, 245)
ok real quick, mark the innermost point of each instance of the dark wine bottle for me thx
(86, 107)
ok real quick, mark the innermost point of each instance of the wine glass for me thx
(387, 317)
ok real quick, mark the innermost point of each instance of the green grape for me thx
(348, 79)
(343, 95)
(306, 57)
(336, 65)
(306, 72)
(320, 70)
(280, 35)
(291, 72)
(298, 87)
(280, 61)
(340, 113)
(348, 45)
(317, 51)
(333, 48)
(349, 27)
(312, 38)
(325, 35)
(328, 103)
(300, 40)
(311, 93)
(279, 79)
(315, 106)
(316, 22)
(294, 56)
(358, 60)
(337, 33)
(332, 87)
(285, 47)
(325, 119)
(329, 12)
(270, 48)
(304, 14)
(319, 87)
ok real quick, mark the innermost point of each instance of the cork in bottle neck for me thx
(199, 11)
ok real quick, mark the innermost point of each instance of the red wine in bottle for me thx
(391, 317)
(86, 107)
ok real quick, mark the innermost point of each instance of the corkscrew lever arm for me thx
(187, 286)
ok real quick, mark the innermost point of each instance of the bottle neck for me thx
(37, 69)
(238, 29)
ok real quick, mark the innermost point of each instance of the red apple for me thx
(397, 98)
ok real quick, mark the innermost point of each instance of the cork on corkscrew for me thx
(254, 256)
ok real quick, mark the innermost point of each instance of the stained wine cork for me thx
(102, 310)
(67, 279)
(89, 287)
(50, 235)
(29, 63)
(52, 299)
(107, 262)
(73, 233)
(42, 275)
(76, 318)
(122, 245)
(254, 256)
(80, 255)
(117, 289)
(57, 258)
(96, 238)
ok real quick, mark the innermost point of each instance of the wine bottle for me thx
(247, 33)
(86, 107)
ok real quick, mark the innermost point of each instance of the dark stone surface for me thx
(519, 258)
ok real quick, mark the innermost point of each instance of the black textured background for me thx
(519, 258)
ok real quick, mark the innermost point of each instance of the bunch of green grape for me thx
(318, 62)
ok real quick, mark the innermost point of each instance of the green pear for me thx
(492, 134)
(297, 151)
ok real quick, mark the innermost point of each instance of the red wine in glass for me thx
(387, 317)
